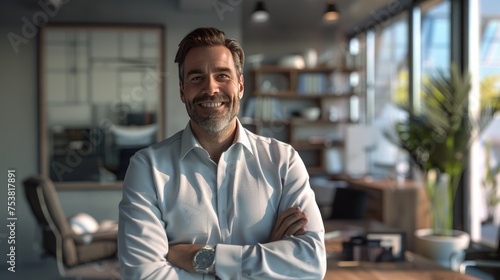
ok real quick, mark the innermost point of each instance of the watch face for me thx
(204, 259)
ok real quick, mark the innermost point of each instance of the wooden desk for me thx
(416, 267)
(400, 205)
(361, 225)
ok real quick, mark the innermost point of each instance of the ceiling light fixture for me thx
(332, 13)
(260, 14)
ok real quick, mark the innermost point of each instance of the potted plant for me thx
(437, 139)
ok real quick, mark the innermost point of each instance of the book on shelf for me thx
(312, 83)
(268, 109)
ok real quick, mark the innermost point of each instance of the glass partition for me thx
(101, 99)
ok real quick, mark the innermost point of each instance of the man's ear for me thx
(181, 91)
(241, 89)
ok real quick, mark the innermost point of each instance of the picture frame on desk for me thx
(397, 240)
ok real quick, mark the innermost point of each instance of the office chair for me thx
(89, 255)
(349, 203)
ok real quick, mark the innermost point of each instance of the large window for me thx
(485, 196)
(435, 38)
(391, 64)
(403, 53)
(387, 87)
(436, 18)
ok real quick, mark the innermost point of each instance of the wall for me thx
(18, 97)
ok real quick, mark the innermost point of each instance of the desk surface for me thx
(360, 225)
(416, 267)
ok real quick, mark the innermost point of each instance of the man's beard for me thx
(215, 123)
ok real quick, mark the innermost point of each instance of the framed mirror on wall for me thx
(101, 99)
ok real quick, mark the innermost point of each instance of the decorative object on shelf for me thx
(293, 61)
(333, 114)
(311, 113)
(255, 60)
(260, 14)
(311, 58)
(438, 139)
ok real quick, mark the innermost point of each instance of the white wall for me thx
(18, 97)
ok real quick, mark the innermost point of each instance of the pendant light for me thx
(260, 14)
(332, 13)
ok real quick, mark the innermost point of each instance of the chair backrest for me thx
(46, 207)
(349, 203)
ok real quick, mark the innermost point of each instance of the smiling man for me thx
(216, 201)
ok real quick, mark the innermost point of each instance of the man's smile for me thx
(211, 104)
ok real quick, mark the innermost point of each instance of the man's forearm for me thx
(292, 221)
(182, 255)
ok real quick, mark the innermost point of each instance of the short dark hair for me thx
(204, 37)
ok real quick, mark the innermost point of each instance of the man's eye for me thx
(196, 79)
(223, 76)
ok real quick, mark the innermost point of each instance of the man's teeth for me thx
(211, 104)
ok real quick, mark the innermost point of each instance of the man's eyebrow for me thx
(194, 72)
(199, 71)
(222, 69)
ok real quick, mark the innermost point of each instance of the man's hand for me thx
(182, 255)
(292, 221)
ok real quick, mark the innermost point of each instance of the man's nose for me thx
(211, 86)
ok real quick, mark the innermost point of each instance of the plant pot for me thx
(440, 248)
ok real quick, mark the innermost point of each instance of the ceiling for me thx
(305, 15)
(286, 16)
(300, 16)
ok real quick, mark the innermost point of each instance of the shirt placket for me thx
(222, 200)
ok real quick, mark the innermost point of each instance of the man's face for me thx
(212, 89)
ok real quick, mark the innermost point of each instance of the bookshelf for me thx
(280, 97)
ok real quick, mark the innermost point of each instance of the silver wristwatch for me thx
(204, 260)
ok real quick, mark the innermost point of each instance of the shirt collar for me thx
(189, 141)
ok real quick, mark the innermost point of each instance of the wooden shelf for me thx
(286, 70)
(295, 95)
(303, 121)
(292, 89)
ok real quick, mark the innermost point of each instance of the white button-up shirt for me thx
(174, 193)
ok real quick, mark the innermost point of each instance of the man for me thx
(216, 200)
